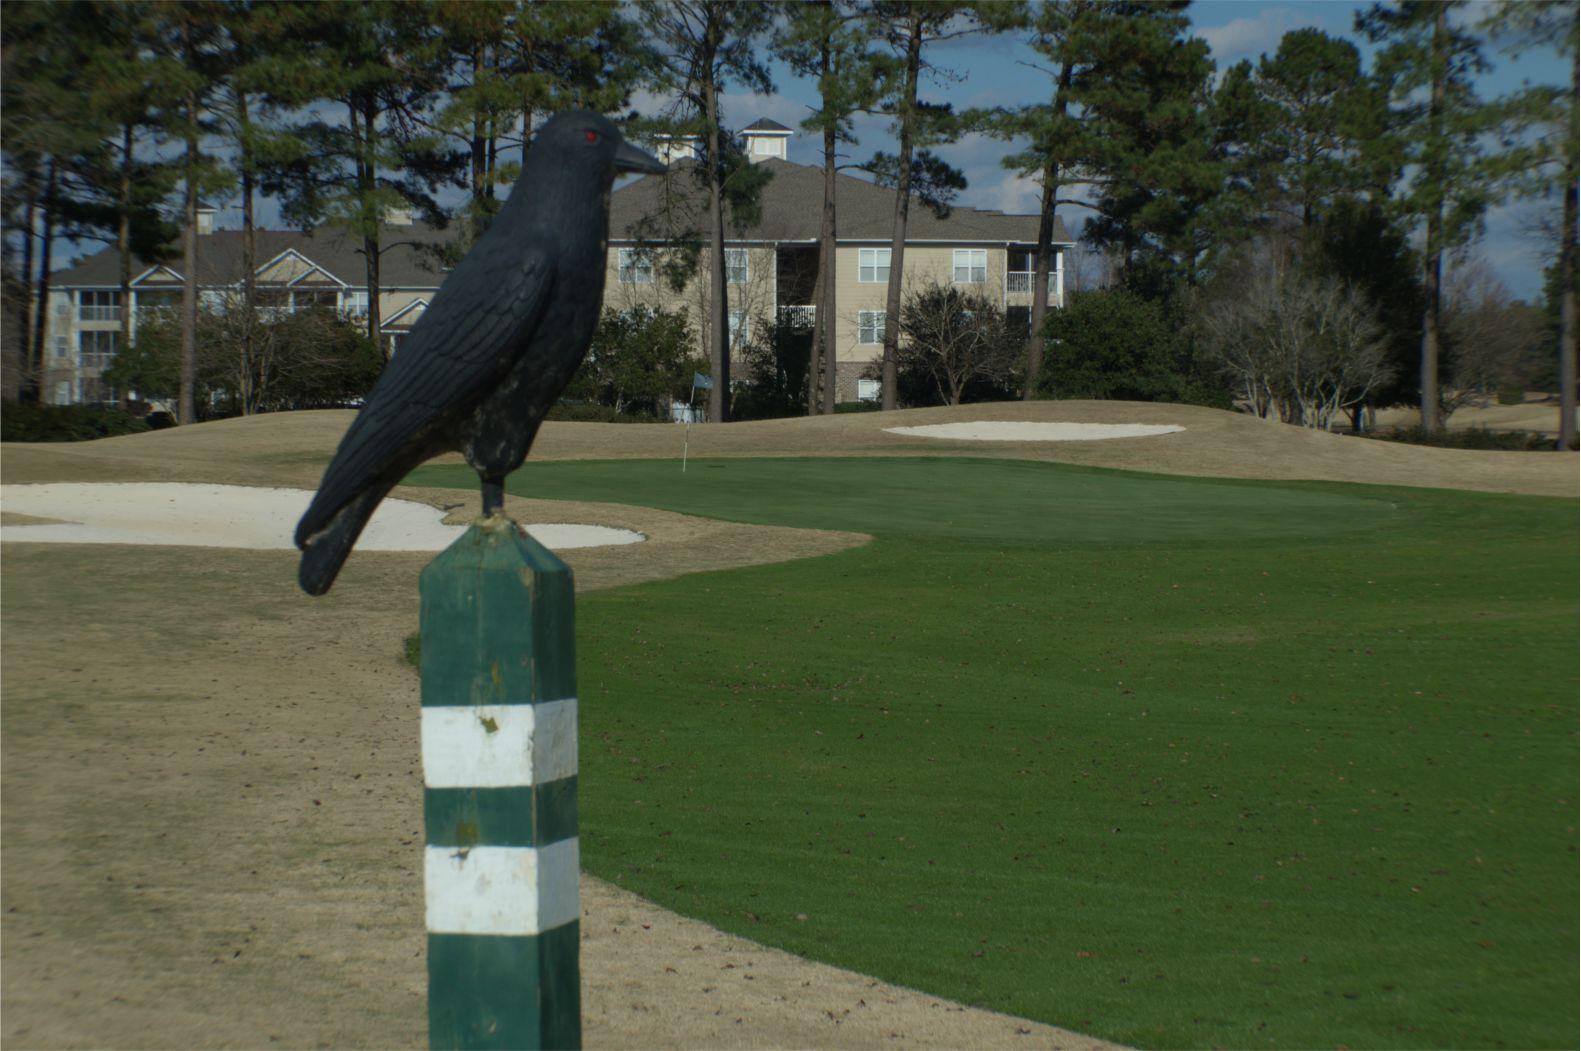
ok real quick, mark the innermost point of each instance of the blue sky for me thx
(995, 71)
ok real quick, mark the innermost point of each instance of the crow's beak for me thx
(630, 159)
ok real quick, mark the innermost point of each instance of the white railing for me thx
(799, 316)
(1021, 281)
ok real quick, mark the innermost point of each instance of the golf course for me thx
(1241, 736)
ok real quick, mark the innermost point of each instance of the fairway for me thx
(1173, 762)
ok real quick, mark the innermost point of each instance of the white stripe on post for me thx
(501, 890)
(499, 745)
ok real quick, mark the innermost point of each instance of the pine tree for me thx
(1057, 149)
(700, 46)
(823, 39)
(1440, 138)
(1158, 165)
(1544, 162)
(129, 82)
(364, 79)
(908, 29)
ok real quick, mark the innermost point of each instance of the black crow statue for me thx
(498, 343)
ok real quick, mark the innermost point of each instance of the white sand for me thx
(171, 513)
(999, 431)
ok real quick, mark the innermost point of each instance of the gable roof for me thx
(764, 124)
(792, 210)
(332, 251)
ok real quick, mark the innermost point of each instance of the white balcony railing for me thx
(798, 316)
(1021, 281)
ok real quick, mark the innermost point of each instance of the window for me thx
(96, 349)
(869, 327)
(971, 266)
(736, 266)
(60, 345)
(867, 390)
(354, 304)
(272, 302)
(740, 327)
(635, 266)
(872, 265)
(99, 306)
(317, 297)
(148, 302)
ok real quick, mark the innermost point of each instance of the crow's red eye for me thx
(590, 136)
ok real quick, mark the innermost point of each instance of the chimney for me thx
(206, 213)
(765, 138)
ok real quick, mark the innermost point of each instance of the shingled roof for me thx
(219, 257)
(792, 208)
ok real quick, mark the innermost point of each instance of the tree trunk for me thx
(32, 306)
(1568, 278)
(186, 410)
(828, 323)
(479, 142)
(823, 344)
(719, 312)
(362, 123)
(1434, 249)
(1041, 265)
(253, 372)
(897, 244)
(46, 253)
(123, 240)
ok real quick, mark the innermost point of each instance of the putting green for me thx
(1002, 500)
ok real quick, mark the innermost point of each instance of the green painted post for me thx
(499, 796)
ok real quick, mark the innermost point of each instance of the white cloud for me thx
(1251, 37)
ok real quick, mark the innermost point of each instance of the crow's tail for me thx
(325, 551)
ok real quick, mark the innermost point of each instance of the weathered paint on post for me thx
(499, 797)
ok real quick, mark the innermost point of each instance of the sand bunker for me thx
(998, 431)
(170, 513)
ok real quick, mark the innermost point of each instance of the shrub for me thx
(1470, 438)
(592, 412)
(1512, 394)
(65, 423)
(1113, 343)
(857, 406)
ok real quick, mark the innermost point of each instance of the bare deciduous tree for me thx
(1306, 346)
(955, 338)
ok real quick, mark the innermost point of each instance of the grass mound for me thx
(1175, 762)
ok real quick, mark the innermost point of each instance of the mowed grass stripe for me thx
(1302, 787)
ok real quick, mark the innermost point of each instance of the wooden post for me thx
(499, 800)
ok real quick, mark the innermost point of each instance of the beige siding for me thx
(923, 264)
(755, 298)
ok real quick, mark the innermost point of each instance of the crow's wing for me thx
(463, 345)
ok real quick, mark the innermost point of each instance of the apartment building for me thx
(772, 262)
(772, 266)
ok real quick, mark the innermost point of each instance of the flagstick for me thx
(686, 442)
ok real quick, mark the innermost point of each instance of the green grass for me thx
(1174, 762)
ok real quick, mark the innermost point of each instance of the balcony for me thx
(798, 317)
(1021, 281)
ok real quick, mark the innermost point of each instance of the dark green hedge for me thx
(23, 422)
